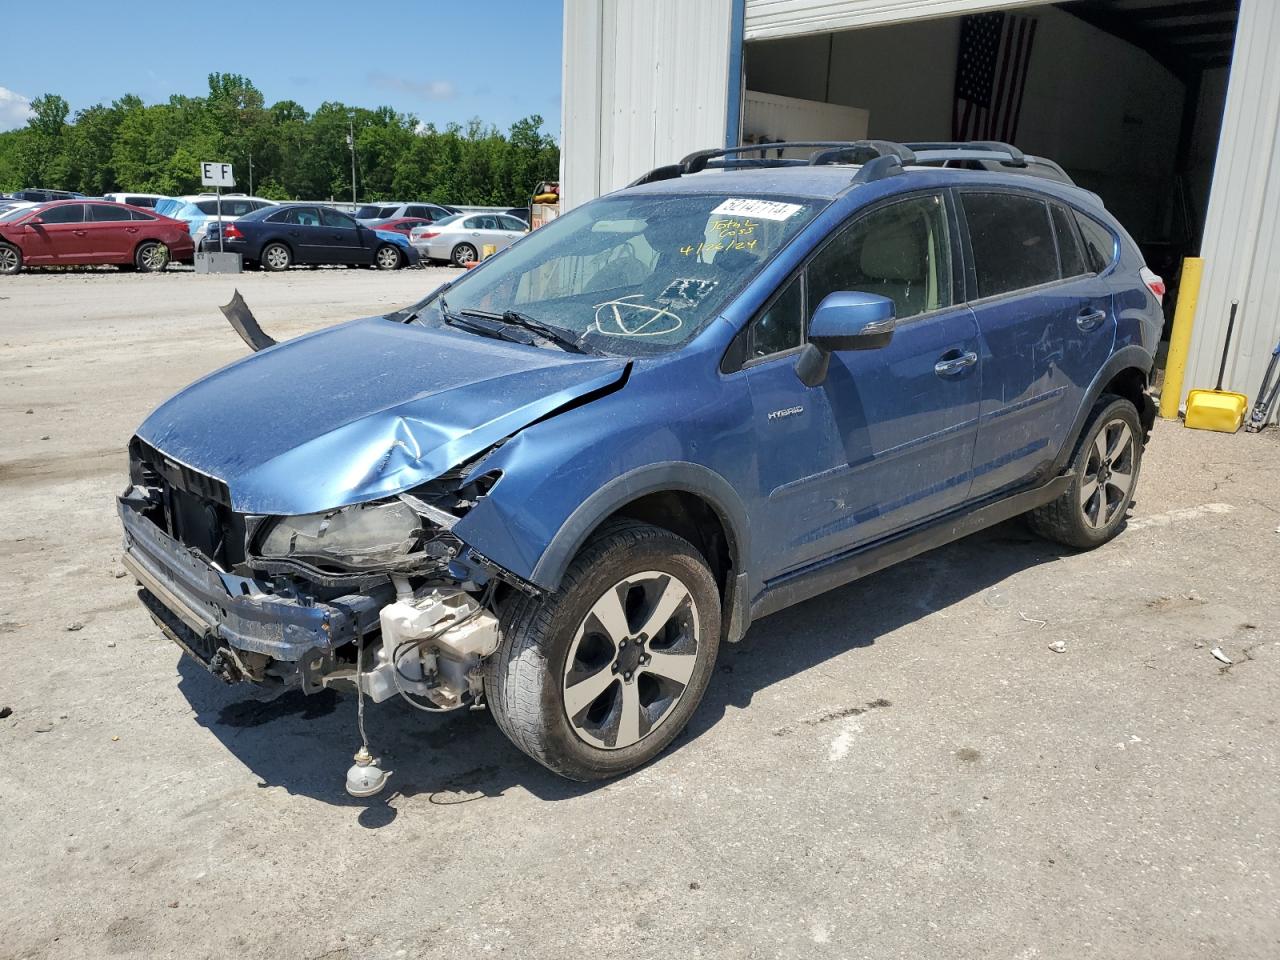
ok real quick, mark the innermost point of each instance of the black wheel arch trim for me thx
(1130, 357)
(674, 475)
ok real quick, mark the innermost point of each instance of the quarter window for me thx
(1099, 244)
(1068, 243)
(1012, 242)
(781, 326)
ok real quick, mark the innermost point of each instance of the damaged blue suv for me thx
(556, 485)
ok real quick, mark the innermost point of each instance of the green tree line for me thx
(157, 148)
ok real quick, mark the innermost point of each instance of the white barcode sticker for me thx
(764, 209)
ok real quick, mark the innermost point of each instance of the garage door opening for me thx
(1127, 95)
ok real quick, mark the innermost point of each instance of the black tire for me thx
(152, 256)
(10, 260)
(1093, 509)
(383, 261)
(276, 257)
(527, 677)
(463, 254)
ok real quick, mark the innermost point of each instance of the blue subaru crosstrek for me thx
(557, 484)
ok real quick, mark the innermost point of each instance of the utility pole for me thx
(351, 142)
(251, 174)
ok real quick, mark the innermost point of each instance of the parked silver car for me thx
(462, 238)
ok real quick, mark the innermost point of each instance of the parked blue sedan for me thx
(278, 237)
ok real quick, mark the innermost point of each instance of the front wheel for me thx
(10, 260)
(463, 254)
(598, 678)
(387, 258)
(152, 256)
(1105, 464)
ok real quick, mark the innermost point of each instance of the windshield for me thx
(368, 212)
(443, 220)
(16, 212)
(635, 275)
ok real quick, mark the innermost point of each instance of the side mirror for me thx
(844, 320)
(34, 220)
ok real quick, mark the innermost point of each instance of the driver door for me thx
(887, 439)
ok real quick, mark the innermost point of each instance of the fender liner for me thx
(1127, 357)
(673, 475)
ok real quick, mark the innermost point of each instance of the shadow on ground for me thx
(304, 744)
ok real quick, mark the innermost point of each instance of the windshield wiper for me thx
(561, 338)
(466, 320)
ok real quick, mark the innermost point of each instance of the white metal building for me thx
(1170, 109)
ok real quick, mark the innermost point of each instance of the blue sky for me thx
(442, 60)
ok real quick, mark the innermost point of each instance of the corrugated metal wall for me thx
(1242, 231)
(645, 82)
(767, 19)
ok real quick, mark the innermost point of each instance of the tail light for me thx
(1154, 282)
(427, 234)
(232, 232)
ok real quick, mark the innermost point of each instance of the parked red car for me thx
(74, 232)
(403, 225)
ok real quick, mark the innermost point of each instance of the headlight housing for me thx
(362, 535)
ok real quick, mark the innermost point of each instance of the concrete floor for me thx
(902, 768)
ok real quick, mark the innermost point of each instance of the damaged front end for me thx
(380, 594)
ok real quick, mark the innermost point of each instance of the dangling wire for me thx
(364, 740)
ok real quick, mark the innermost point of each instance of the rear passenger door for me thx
(1046, 325)
(112, 233)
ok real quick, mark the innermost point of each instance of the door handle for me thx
(950, 365)
(81, 233)
(130, 229)
(1091, 319)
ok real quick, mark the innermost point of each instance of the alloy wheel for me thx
(9, 260)
(464, 254)
(388, 258)
(1108, 474)
(631, 660)
(277, 257)
(154, 257)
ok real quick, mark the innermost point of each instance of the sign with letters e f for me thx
(216, 175)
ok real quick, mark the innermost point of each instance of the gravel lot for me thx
(903, 768)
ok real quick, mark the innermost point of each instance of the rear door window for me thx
(1099, 244)
(1012, 242)
(139, 215)
(102, 212)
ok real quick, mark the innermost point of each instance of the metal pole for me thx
(220, 224)
(351, 142)
(251, 174)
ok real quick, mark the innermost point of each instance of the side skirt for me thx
(818, 578)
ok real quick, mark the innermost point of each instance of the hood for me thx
(363, 410)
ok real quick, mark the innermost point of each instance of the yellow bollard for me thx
(1175, 364)
(488, 250)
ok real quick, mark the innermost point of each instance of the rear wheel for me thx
(600, 677)
(10, 260)
(463, 254)
(276, 256)
(152, 256)
(1105, 464)
(387, 257)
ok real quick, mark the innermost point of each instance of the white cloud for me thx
(426, 89)
(15, 109)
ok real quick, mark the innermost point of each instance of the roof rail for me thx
(969, 150)
(894, 157)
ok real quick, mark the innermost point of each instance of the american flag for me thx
(991, 75)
